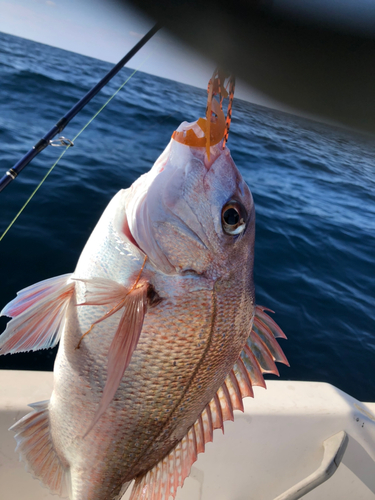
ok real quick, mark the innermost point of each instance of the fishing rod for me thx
(12, 173)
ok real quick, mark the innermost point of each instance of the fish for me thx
(159, 333)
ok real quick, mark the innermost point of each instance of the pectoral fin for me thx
(102, 292)
(38, 314)
(133, 303)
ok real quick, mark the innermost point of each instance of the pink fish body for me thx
(164, 288)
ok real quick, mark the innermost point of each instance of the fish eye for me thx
(233, 218)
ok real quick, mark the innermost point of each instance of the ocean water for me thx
(313, 186)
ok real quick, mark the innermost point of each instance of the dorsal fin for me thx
(166, 476)
(257, 357)
(133, 302)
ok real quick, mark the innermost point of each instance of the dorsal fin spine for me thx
(175, 476)
(183, 456)
(265, 360)
(207, 424)
(252, 367)
(244, 379)
(199, 432)
(193, 440)
(272, 325)
(229, 407)
(220, 424)
(158, 482)
(234, 391)
(168, 471)
(268, 339)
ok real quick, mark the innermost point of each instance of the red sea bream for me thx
(160, 337)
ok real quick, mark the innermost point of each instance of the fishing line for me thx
(47, 140)
(69, 146)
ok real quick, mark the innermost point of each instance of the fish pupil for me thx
(231, 217)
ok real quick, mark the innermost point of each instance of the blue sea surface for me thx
(313, 186)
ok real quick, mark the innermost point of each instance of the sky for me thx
(102, 29)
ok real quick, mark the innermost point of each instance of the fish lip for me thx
(213, 157)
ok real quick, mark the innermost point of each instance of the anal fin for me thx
(36, 449)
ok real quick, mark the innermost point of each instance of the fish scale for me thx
(143, 394)
(155, 326)
(202, 385)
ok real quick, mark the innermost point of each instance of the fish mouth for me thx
(214, 155)
(200, 153)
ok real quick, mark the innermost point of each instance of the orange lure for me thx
(215, 126)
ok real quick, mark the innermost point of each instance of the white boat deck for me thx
(275, 444)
